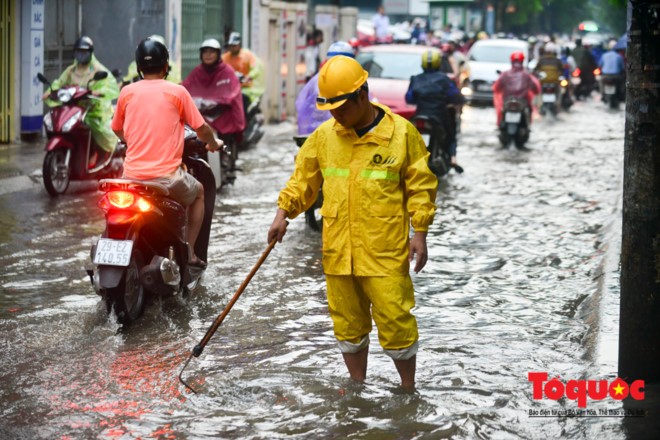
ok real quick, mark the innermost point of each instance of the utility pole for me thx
(639, 331)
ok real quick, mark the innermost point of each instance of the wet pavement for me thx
(522, 277)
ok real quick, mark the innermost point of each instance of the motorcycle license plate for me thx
(610, 90)
(512, 117)
(547, 97)
(427, 138)
(113, 252)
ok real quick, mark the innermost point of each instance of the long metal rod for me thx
(199, 348)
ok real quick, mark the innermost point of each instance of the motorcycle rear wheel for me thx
(128, 297)
(313, 220)
(614, 103)
(56, 173)
(228, 161)
(438, 159)
(504, 137)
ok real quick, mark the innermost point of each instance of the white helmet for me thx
(550, 47)
(340, 48)
(210, 43)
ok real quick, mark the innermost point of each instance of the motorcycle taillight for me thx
(576, 72)
(422, 125)
(513, 106)
(597, 71)
(121, 199)
(124, 200)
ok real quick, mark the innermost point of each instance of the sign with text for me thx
(32, 60)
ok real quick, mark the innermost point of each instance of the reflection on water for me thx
(516, 253)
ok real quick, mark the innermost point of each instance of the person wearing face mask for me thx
(84, 67)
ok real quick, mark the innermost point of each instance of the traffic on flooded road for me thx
(522, 278)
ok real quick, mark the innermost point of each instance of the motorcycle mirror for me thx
(42, 78)
(116, 73)
(100, 75)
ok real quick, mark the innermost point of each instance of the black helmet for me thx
(151, 55)
(84, 43)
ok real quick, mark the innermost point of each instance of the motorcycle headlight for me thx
(68, 125)
(48, 122)
(466, 91)
(65, 95)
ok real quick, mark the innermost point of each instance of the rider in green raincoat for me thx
(79, 73)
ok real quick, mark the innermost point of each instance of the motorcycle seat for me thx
(141, 186)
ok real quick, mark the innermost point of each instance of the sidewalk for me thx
(21, 159)
(20, 165)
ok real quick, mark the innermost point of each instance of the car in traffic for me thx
(390, 67)
(488, 58)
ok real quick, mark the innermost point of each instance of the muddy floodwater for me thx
(522, 277)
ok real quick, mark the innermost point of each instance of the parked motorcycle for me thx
(611, 90)
(71, 152)
(515, 125)
(143, 252)
(313, 218)
(224, 164)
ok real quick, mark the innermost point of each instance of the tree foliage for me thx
(558, 16)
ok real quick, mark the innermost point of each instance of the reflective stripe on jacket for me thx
(374, 187)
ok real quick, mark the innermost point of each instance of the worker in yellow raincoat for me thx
(100, 113)
(376, 183)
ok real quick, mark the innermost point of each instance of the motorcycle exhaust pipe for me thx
(161, 276)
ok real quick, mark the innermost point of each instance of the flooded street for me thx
(522, 277)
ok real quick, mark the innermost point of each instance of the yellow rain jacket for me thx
(374, 187)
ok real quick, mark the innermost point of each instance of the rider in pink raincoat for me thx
(216, 82)
(516, 82)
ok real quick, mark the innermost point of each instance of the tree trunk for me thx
(639, 332)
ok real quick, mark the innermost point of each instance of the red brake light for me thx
(421, 124)
(597, 72)
(121, 199)
(576, 72)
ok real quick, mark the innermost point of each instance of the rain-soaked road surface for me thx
(522, 277)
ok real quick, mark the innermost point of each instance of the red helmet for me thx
(517, 57)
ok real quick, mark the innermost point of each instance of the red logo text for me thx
(579, 390)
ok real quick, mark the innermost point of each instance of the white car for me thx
(487, 58)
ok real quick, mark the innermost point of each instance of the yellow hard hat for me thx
(431, 59)
(339, 79)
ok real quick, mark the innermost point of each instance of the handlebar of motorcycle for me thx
(193, 146)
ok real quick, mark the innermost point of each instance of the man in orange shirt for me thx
(150, 119)
(246, 63)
